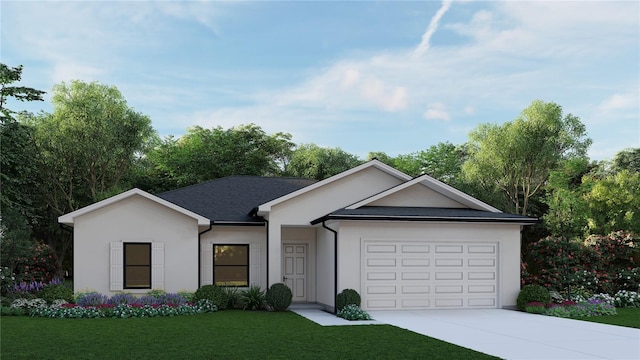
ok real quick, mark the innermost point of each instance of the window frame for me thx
(247, 266)
(125, 266)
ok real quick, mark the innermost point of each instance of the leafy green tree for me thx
(8, 76)
(204, 154)
(20, 198)
(85, 147)
(515, 158)
(315, 162)
(614, 203)
(568, 208)
(628, 159)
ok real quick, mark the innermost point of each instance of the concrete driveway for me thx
(516, 335)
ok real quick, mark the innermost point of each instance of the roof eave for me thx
(527, 221)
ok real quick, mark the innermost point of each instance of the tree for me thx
(9, 76)
(614, 202)
(315, 162)
(205, 154)
(628, 159)
(568, 209)
(85, 150)
(516, 158)
(20, 199)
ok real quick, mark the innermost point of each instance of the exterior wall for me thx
(255, 236)
(325, 268)
(417, 195)
(307, 236)
(506, 235)
(301, 210)
(135, 219)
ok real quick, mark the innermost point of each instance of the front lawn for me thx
(223, 335)
(629, 317)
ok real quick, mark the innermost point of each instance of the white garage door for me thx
(428, 275)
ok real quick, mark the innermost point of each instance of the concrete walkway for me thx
(507, 334)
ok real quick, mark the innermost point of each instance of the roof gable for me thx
(455, 196)
(266, 207)
(69, 218)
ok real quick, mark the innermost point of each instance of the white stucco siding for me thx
(135, 219)
(417, 195)
(507, 238)
(309, 206)
(254, 236)
(325, 294)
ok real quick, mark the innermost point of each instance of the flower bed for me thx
(74, 311)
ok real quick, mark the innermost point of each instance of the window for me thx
(231, 265)
(137, 265)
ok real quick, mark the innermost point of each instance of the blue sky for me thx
(364, 76)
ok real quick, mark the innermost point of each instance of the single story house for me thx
(401, 242)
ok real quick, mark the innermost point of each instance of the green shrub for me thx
(347, 297)
(352, 312)
(532, 293)
(187, 295)
(213, 293)
(233, 297)
(253, 298)
(279, 297)
(156, 293)
(53, 292)
(12, 311)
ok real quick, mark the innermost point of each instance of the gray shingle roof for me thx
(232, 198)
(423, 214)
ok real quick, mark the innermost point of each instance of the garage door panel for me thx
(481, 262)
(478, 289)
(381, 248)
(415, 262)
(449, 249)
(449, 262)
(426, 275)
(482, 302)
(449, 303)
(381, 276)
(482, 275)
(415, 303)
(416, 275)
(381, 262)
(413, 249)
(481, 249)
(381, 289)
(381, 304)
(425, 289)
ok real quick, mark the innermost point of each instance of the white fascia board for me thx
(266, 207)
(69, 218)
(435, 185)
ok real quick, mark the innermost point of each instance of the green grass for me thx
(629, 317)
(223, 335)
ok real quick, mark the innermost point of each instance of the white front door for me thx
(295, 270)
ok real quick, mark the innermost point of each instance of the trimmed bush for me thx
(53, 292)
(279, 297)
(347, 297)
(213, 293)
(532, 293)
(253, 298)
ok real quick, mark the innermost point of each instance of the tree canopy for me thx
(315, 162)
(8, 76)
(515, 158)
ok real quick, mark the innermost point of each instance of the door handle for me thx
(284, 279)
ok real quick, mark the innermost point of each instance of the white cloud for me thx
(437, 111)
(620, 101)
(424, 45)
